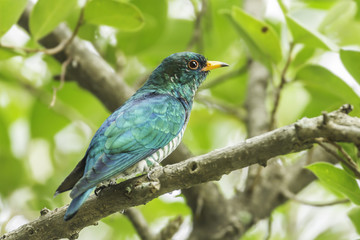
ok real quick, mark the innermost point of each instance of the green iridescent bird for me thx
(143, 131)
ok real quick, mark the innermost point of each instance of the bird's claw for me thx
(149, 175)
(103, 186)
(99, 189)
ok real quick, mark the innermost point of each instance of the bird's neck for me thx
(171, 85)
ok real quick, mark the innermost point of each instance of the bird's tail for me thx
(76, 204)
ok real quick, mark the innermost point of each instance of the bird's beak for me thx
(210, 65)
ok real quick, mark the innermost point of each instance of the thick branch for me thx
(293, 138)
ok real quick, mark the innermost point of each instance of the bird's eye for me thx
(193, 64)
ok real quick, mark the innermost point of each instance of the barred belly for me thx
(144, 166)
(162, 153)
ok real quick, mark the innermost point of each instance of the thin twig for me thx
(344, 153)
(280, 87)
(62, 80)
(222, 107)
(293, 197)
(139, 224)
(197, 34)
(268, 234)
(171, 228)
(145, 232)
(61, 46)
(350, 164)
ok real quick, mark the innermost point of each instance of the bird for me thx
(143, 131)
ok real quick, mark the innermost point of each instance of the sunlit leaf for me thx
(83, 102)
(260, 37)
(155, 13)
(10, 13)
(306, 36)
(11, 168)
(121, 15)
(338, 16)
(331, 233)
(352, 150)
(351, 60)
(40, 114)
(327, 90)
(315, 4)
(178, 33)
(158, 208)
(337, 180)
(358, 9)
(219, 31)
(114, 221)
(46, 15)
(294, 99)
(354, 215)
(303, 56)
(7, 53)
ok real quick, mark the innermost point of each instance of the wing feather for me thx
(141, 127)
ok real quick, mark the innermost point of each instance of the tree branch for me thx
(61, 46)
(87, 67)
(257, 118)
(144, 231)
(139, 223)
(208, 167)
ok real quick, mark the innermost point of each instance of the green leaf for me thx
(351, 59)
(260, 37)
(337, 180)
(320, 78)
(157, 208)
(155, 13)
(220, 31)
(352, 150)
(83, 102)
(10, 13)
(303, 56)
(338, 17)
(176, 36)
(7, 53)
(121, 15)
(303, 35)
(354, 215)
(316, 4)
(41, 114)
(327, 90)
(11, 167)
(46, 15)
(357, 16)
(331, 234)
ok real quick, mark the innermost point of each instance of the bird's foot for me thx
(104, 185)
(99, 189)
(150, 173)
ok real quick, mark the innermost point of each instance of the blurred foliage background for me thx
(313, 44)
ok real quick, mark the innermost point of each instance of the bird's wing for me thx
(141, 128)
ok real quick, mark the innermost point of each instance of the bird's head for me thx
(183, 69)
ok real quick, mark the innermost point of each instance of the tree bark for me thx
(338, 127)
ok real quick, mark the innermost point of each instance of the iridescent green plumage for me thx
(142, 132)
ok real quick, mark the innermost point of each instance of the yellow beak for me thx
(210, 65)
